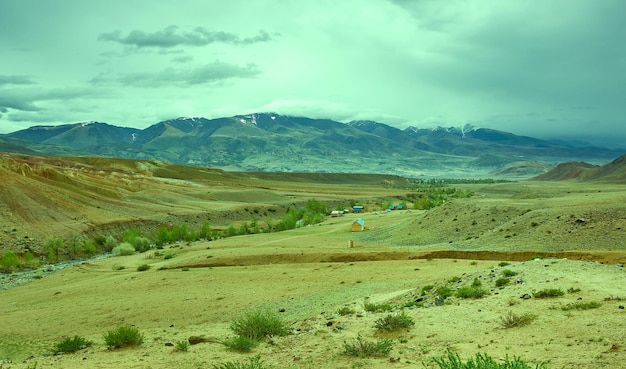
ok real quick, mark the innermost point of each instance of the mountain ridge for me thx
(274, 142)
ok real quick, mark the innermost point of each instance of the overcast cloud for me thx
(549, 69)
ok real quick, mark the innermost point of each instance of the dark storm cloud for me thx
(171, 37)
(15, 80)
(208, 73)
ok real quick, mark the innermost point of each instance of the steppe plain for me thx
(566, 235)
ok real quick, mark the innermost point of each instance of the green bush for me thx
(259, 324)
(141, 244)
(122, 337)
(511, 320)
(548, 292)
(239, 343)
(73, 344)
(254, 363)
(9, 261)
(501, 282)
(123, 249)
(359, 347)
(508, 273)
(481, 361)
(109, 243)
(143, 267)
(345, 310)
(470, 292)
(394, 322)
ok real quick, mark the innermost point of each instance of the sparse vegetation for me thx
(579, 305)
(501, 282)
(123, 337)
(444, 292)
(73, 344)
(360, 347)
(345, 310)
(480, 361)
(548, 292)
(259, 324)
(511, 320)
(394, 322)
(253, 363)
(143, 267)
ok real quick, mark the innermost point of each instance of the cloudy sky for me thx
(549, 69)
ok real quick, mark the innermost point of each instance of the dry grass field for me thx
(566, 236)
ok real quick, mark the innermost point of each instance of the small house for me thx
(358, 225)
(336, 213)
(357, 209)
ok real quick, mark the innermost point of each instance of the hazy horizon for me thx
(551, 70)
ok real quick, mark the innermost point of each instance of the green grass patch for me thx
(501, 282)
(471, 292)
(372, 308)
(508, 273)
(579, 305)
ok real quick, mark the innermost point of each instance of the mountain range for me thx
(277, 143)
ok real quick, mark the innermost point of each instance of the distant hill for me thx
(271, 142)
(614, 172)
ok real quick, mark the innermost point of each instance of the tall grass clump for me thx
(579, 305)
(511, 320)
(73, 344)
(360, 347)
(471, 292)
(240, 343)
(122, 337)
(259, 324)
(9, 261)
(480, 361)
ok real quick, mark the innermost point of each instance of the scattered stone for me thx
(621, 307)
(525, 296)
(281, 310)
(169, 344)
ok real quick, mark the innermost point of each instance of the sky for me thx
(547, 69)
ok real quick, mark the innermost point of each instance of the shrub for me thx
(470, 292)
(427, 289)
(394, 322)
(254, 363)
(73, 344)
(123, 337)
(182, 346)
(581, 305)
(548, 292)
(503, 264)
(123, 249)
(372, 308)
(511, 320)
(259, 324)
(9, 261)
(444, 292)
(239, 343)
(508, 273)
(362, 348)
(477, 283)
(141, 244)
(481, 361)
(143, 267)
(109, 243)
(501, 282)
